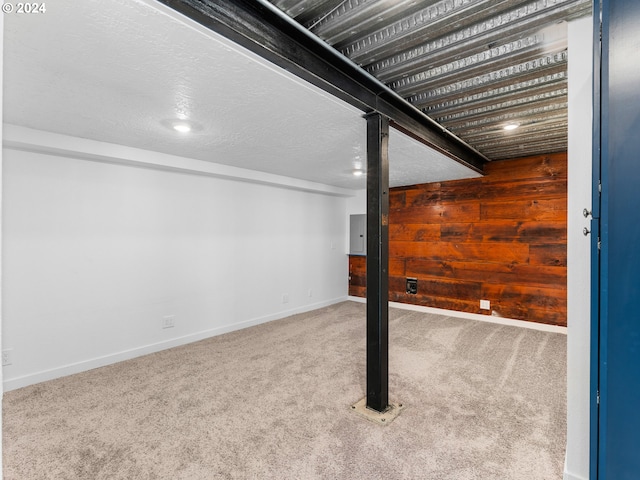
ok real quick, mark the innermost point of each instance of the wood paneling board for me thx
(397, 198)
(496, 273)
(503, 231)
(501, 237)
(397, 267)
(435, 302)
(552, 210)
(489, 252)
(554, 255)
(544, 305)
(414, 232)
(436, 213)
(439, 287)
(539, 166)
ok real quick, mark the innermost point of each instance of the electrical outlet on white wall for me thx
(6, 357)
(169, 321)
(485, 304)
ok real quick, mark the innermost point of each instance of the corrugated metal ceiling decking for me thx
(473, 66)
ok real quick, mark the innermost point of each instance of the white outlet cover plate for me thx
(169, 321)
(485, 304)
(6, 357)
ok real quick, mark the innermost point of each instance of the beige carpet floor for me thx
(483, 401)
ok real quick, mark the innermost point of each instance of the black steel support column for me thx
(377, 262)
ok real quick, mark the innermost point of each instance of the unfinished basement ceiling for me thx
(473, 66)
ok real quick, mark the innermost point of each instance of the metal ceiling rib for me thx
(471, 65)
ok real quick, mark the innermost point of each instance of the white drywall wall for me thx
(578, 249)
(1, 223)
(97, 254)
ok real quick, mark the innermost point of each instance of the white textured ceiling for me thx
(117, 70)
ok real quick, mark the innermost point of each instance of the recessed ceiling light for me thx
(511, 126)
(182, 127)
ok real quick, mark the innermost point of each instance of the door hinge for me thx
(599, 187)
(599, 244)
(598, 397)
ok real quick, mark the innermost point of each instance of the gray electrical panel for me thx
(358, 235)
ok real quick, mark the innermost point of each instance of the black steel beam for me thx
(262, 28)
(377, 262)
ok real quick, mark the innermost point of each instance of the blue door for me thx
(618, 343)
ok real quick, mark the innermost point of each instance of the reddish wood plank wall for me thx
(502, 237)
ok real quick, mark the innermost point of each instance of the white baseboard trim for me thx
(473, 316)
(566, 475)
(571, 476)
(70, 369)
